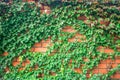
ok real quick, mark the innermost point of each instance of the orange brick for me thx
(45, 45)
(15, 63)
(72, 39)
(116, 75)
(118, 49)
(26, 62)
(5, 54)
(77, 70)
(80, 36)
(86, 59)
(117, 60)
(37, 45)
(77, 37)
(70, 62)
(68, 29)
(45, 41)
(105, 50)
(106, 61)
(21, 69)
(108, 50)
(102, 66)
(103, 71)
(40, 49)
(51, 54)
(32, 49)
(95, 71)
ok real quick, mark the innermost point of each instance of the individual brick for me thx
(69, 29)
(37, 44)
(77, 70)
(40, 50)
(16, 61)
(77, 37)
(5, 54)
(105, 50)
(7, 69)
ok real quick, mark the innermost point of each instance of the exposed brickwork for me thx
(42, 46)
(105, 50)
(52, 73)
(16, 61)
(69, 29)
(7, 69)
(102, 68)
(77, 37)
(106, 65)
(78, 70)
(5, 54)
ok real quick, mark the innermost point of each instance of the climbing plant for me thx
(22, 25)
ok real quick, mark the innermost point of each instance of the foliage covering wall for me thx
(91, 31)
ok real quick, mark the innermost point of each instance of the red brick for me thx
(88, 75)
(24, 51)
(45, 9)
(82, 18)
(70, 62)
(106, 23)
(52, 73)
(40, 75)
(30, 0)
(7, 69)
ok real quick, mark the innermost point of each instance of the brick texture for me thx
(102, 68)
(41, 46)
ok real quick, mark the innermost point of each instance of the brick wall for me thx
(103, 67)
